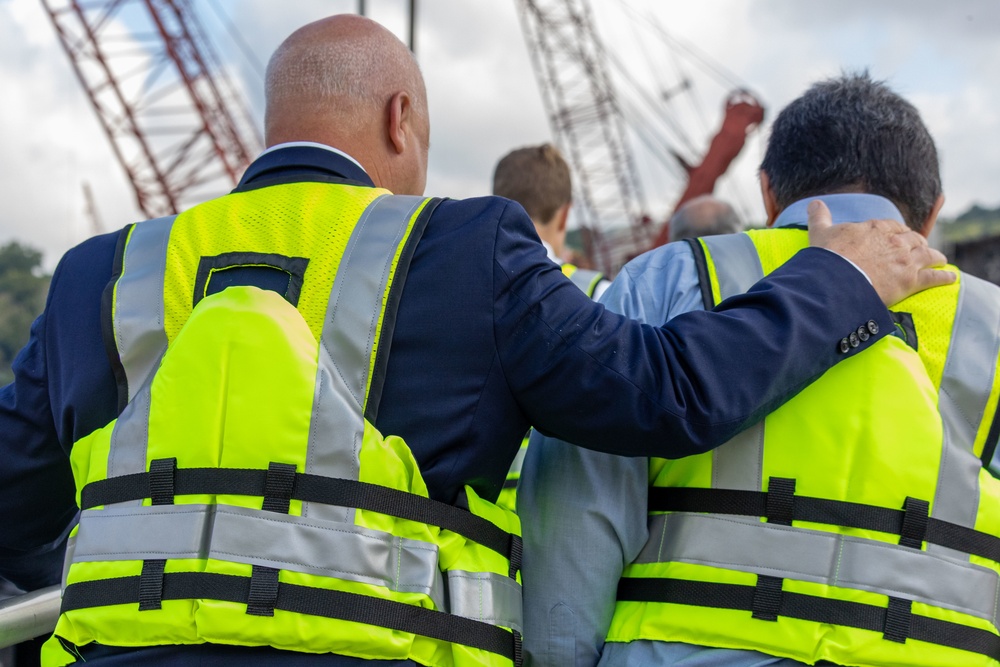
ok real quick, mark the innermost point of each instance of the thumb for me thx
(819, 216)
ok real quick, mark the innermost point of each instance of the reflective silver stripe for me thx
(486, 596)
(130, 435)
(139, 336)
(739, 463)
(349, 331)
(737, 264)
(965, 390)
(518, 464)
(825, 558)
(586, 280)
(138, 321)
(244, 535)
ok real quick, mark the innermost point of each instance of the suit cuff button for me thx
(872, 327)
(853, 338)
(863, 333)
(845, 346)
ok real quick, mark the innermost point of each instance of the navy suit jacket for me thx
(490, 337)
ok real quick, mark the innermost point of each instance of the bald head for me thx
(347, 82)
(704, 216)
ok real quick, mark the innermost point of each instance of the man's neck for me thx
(312, 144)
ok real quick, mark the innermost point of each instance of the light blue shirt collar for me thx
(847, 207)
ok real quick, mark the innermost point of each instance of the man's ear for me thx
(400, 121)
(928, 225)
(770, 201)
(562, 215)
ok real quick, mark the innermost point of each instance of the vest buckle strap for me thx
(516, 552)
(151, 585)
(915, 518)
(897, 620)
(263, 591)
(161, 481)
(767, 598)
(780, 503)
(278, 486)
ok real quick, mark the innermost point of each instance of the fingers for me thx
(819, 216)
(935, 257)
(927, 278)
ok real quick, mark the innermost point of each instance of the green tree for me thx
(23, 286)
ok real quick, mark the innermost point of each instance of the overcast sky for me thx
(484, 99)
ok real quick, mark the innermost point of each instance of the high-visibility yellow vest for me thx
(587, 280)
(508, 494)
(243, 495)
(856, 524)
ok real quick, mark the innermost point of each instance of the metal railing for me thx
(28, 616)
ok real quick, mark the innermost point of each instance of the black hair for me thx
(853, 134)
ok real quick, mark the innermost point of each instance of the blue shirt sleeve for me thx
(582, 511)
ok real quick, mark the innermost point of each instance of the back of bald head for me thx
(334, 77)
(704, 216)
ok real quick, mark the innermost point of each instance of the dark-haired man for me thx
(857, 524)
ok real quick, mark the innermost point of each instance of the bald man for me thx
(206, 390)
(704, 216)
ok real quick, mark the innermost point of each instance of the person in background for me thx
(855, 525)
(208, 423)
(538, 178)
(704, 216)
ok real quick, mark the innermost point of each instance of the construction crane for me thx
(591, 123)
(177, 125)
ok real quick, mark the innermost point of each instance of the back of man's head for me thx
(704, 216)
(853, 134)
(536, 177)
(338, 81)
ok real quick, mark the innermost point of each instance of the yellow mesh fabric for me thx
(933, 314)
(776, 246)
(293, 220)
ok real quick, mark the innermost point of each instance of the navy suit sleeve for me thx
(63, 389)
(583, 374)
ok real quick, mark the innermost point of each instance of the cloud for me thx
(484, 97)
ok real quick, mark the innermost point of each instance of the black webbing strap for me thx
(278, 485)
(516, 554)
(766, 598)
(832, 512)
(510, 483)
(704, 281)
(309, 488)
(779, 504)
(263, 594)
(297, 599)
(151, 584)
(897, 620)
(914, 529)
(161, 492)
(810, 608)
(161, 481)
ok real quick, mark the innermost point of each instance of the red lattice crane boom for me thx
(178, 127)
